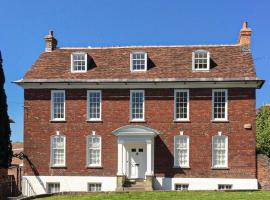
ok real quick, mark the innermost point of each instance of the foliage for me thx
(172, 195)
(263, 130)
(5, 132)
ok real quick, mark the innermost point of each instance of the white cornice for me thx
(140, 85)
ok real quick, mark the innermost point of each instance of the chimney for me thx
(50, 42)
(245, 36)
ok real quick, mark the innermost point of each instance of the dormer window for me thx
(138, 61)
(78, 62)
(200, 60)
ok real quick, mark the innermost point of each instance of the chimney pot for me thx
(50, 42)
(245, 37)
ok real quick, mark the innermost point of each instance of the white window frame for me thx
(47, 186)
(226, 104)
(96, 183)
(193, 60)
(88, 102)
(226, 152)
(52, 159)
(177, 165)
(88, 164)
(181, 186)
(131, 61)
(85, 60)
(181, 119)
(225, 186)
(52, 105)
(130, 106)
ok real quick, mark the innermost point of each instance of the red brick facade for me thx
(159, 108)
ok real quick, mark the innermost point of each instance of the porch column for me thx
(150, 158)
(120, 159)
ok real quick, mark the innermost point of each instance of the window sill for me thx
(58, 121)
(200, 70)
(220, 168)
(220, 121)
(182, 121)
(94, 167)
(179, 167)
(132, 121)
(59, 167)
(94, 121)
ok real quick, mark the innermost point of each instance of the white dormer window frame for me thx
(194, 62)
(73, 60)
(138, 60)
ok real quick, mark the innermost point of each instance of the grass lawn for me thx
(167, 196)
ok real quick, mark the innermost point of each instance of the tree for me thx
(5, 132)
(263, 130)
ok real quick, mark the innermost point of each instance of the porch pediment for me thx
(135, 130)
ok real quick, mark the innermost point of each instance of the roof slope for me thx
(227, 61)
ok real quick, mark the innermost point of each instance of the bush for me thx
(263, 130)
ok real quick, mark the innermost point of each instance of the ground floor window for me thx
(53, 187)
(181, 186)
(94, 187)
(224, 187)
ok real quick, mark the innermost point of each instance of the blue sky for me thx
(124, 22)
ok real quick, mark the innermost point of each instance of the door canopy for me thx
(135, 130)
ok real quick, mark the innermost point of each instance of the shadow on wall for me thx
(32, 166)
(164, 160)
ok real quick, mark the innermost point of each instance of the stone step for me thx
(133, 189)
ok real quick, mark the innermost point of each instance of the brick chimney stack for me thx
(50, 42)
(245, 36)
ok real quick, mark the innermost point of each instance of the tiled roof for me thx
(227, 61)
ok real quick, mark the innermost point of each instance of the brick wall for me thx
(263, 171)
(159, 115)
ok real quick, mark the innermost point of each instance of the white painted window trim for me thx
(226, 105)
(145, 61)
(47, 186)
(52, 105)
(88, 184)
(193, 60)
(51, 160)
(181, 119)
(226, 154)
(72, 66)
(87, 152)
(88, 102)
(177, 165)
(130, 106)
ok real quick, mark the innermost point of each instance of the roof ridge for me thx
(149, 46)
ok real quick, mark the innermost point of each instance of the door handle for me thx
(137, 164)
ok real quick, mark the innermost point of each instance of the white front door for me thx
(137, 161)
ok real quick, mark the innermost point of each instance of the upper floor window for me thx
(138, 61)
(94, 105)
(58, 148)
(58, 105)
(220, 151)
(181, 151)
(78, 62)
(181, 105)
(200, 60)
(94, 151)
(137, 105)
(219, 104)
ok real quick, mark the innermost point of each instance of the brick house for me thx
(170, 117)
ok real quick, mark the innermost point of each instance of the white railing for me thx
(27, 188)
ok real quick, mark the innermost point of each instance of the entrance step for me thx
(134, 185)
